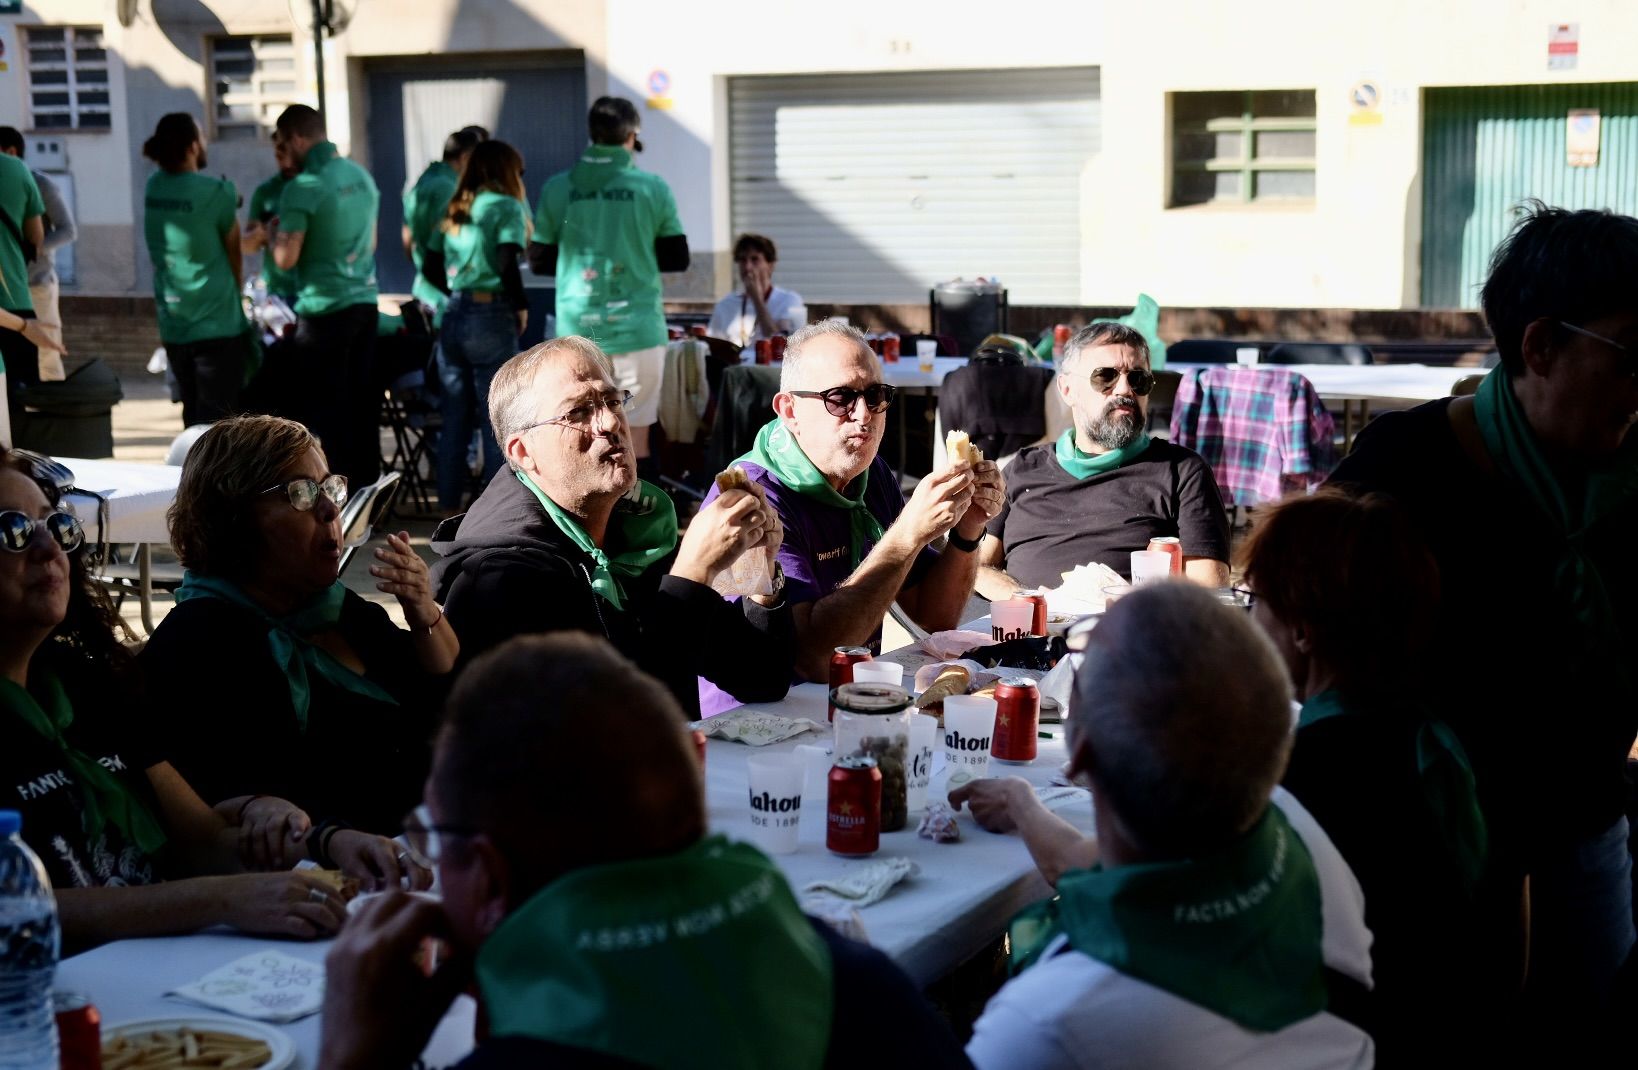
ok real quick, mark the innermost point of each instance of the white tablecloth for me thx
(906, 373)
(1400, 382)
(138, 496)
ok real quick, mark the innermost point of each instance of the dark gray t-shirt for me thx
(1052, 521)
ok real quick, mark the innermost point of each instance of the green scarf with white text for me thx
(287, 640)
(697, 959)
(1081, 465)
(1238, 932)
(104, 800)
(642, 531)
(777, 450)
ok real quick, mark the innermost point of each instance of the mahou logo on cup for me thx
(972, 748)
(765, 806)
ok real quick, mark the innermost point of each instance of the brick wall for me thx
(120, 330)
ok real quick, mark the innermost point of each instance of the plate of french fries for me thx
(177, 1043)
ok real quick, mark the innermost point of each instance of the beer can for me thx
(697, 330)
(699, 746)
(853, 809)
(1017, 720)
(1173, 546)
(777, 343)
(1060, 339)
(79, 1031)
(890, 349)
(1038, 598)
(841, 669)
(764, 351)
(675, 334)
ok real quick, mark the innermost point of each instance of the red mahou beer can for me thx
(890, 349)
(1173, 546)
(1017, 720)
(697, 330)
(764, 351)
(1038, 598)
(777, 344)
(79, 1031)
(841, 669)
(853, 811)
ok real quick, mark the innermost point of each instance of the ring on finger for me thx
(317, 895)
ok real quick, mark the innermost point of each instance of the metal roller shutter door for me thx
(876, 186)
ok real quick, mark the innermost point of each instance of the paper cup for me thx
(1150, 565)
(1247, 355)
(969, 726)
(878, 672)
(1012, 618)
(776, 800)
(926, 350)
(923, 741)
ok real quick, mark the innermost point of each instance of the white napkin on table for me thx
(757, 729)
(268, 985)
(862, 885)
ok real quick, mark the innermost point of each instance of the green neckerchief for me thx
(104, 800)
(1446, 776)
(777, 450)
(641, 533)
(1574, 511)
(1237, 933)
(1081, 465)
(665, 961)
(319, 155)
(287, 638)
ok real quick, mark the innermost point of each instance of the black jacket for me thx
(507, 570)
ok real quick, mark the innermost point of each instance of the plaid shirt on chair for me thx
(1263, 430)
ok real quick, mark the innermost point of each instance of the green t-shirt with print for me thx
(424, 207)
(471, 253)
(19, 199)
(333, 201)
(603, 215)
(185, 218)
(264, 206)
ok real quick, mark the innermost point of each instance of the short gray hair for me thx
(1182, 716)
(1107, 333)
(512, 404)
(790, 375)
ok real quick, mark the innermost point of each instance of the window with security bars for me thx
(1242, 146)
(67, 78)
(253, 79)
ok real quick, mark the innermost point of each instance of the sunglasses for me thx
(17, 530)
(1141, 380)
(304, 493)
(839, 400)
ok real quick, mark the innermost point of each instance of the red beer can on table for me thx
(841, 668)
(890, 349)
(853, 811)
(764, 351)
(697, 330)
(1060, 338)
(1173, 546)
(79, 1031)
(1017, 720)
(777, 344)
(1039, 627)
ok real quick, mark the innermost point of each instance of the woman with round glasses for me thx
(109, 816)
(277, 678)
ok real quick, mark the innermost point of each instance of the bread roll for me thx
(733, 478)
(951, 680)
(958, 446)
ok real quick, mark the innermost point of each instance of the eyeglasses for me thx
(426, 840)
(839, 400)
(17, 530)
(1624, 350)
(1141, 380)
(304, 493)
(583, 418)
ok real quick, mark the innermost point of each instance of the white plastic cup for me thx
(1012, 618)
(878, 672)
(923, 741)
(1247, 355)
(776, 800)
(969, 726)
(1150, 565)
(926, 350)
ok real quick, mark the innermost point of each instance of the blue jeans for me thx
(1581, 920)
(474, 341)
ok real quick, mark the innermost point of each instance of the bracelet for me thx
(318, 841)
(240, 819)
(439, 619)
(966, 546)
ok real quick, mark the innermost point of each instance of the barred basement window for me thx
(1235, 147)
(67, 78)
(253, 79)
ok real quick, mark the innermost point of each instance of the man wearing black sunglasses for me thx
(853, 544)
(1105, 488)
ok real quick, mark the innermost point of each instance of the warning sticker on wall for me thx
(1581, 137)
(1563, 45)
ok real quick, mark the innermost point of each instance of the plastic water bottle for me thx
(28, 954)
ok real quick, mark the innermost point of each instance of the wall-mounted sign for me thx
(659, 89)
(1581, 136)
(1365, 104)
(1563, 45)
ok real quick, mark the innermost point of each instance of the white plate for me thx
(283, 1049)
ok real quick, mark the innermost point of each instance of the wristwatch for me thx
(777, 580)
(966, 546)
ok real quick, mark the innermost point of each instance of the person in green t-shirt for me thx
(326, 235)
(472, 257)
(608, 230)
(191, 225)
(263, 221)
(22, 205)
(425, 204)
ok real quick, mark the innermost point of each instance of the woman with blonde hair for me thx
(474, 257)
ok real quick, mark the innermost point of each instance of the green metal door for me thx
(1486, 149)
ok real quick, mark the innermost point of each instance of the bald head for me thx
(1182, 717)
(568, 756)
(816, 353)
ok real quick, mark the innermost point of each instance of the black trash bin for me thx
(968, 311)
(70, 418)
